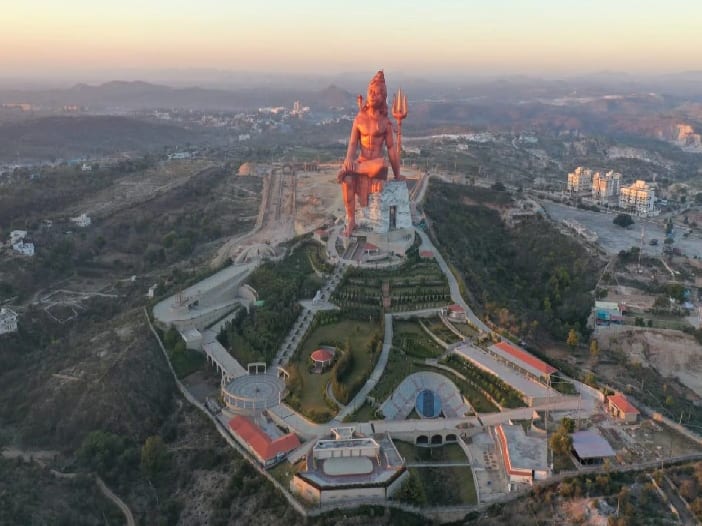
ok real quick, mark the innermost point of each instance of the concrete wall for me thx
(331, 496)
(247, 293)
(397, 484)
(197, 322)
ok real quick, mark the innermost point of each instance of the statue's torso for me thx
(373, 131)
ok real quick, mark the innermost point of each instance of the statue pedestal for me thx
(387, 210)
(387, 221)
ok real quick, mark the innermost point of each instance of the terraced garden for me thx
(410, 338)
(419, 284)
(499, 390)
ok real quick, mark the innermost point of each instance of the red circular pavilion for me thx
(322, 358)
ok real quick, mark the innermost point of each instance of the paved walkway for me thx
(304, 320)
(375, 376)
(453, 284)
(531, 389)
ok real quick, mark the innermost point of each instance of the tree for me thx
(171, 337)
(568, 424)
(561, 442)
(154, 456)
(623, 220)
(179, 348)
(594, 349)
(412, 491)
(101, 451)
(573, 339)
(688, 489)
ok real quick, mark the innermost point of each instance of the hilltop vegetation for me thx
(256, 334)
(525, 279)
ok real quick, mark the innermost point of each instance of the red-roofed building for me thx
(456, 313)
(320, 235)
(521, 360)
(426, 254)
(267, 451)
(322, 359)
(370, 249)
(619, 406)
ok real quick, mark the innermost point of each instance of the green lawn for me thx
(447, 486)
(398, 367)
(362, 414)
(358, 334)
(466, 330)
(440, 330)
(445, 453)
(414, 341)
(185, 363)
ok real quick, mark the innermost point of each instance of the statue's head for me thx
(377, 93)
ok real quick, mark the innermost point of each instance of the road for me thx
(453, 283)
(42, 457)
(686, 517)
(119, 502)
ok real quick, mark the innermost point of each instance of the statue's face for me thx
(376, 95)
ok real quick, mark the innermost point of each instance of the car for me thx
(653, 242)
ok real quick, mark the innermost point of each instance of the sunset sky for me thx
(500, 36)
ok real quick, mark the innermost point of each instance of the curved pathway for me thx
(40, 456)
(375, 376)
(119, 502)
(453, 283)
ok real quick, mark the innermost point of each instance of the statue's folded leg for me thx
(363, 185)
(348, 186)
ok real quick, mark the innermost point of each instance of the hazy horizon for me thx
(88, 41)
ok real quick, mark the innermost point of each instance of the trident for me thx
(399, 111)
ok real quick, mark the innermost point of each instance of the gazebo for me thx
(322, 359)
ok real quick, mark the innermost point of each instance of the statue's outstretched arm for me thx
(392, 152)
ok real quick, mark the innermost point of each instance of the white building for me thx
(180, 155)
(82, 220)
(17, 235)
(348, 467)
(580, 180)
(8, 320)
(525, 457)
(387, 210)
(86, 168)
(605, 186)
(26, 249)
(638, 198)
(152, 291)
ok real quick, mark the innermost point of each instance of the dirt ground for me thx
(632, 297)
(671, 353)
(317, 201)
(319, 197)
(128, 191)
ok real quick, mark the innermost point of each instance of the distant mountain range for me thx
(138, 95)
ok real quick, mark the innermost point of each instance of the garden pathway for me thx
(375, 376)
(453, 283)
(304, 320)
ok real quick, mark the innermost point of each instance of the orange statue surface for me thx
(372, 130)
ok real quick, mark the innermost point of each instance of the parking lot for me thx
(614, 239)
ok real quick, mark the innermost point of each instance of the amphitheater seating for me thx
(402, 401)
